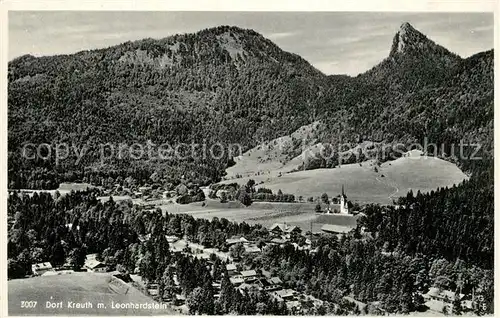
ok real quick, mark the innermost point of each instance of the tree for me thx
(237, 250)
(200, 301)
(58, 255)
(77, 258)
(14, 269)
(250, 187)
(244, 198)
(223, 197)
(457, 304)
(317, 208)
(324, 198)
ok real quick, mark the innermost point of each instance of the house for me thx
(95, 266)
(285, 294)
(266, 274)
(278, 241)
(361, 305)
(252, 249)
(278, 228)
(301, 248)
(237, 280)
(335, 229)
(293, 229)
(437, 299)
(246, 286)
(442, 295)
(293, 305)
(153, 289)
(236, 239)
(276, 281)
(231, 269)
(92, 256)
(171, 238)
(179, 300)
(269, 284)
(40, 268)
(249, 276)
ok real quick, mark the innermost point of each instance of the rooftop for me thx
(284, 293)
(93, 263)
(39, 266)
(331, 228)
(248, 273)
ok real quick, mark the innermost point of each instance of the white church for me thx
(341, 208)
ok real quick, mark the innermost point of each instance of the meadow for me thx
(362, 182)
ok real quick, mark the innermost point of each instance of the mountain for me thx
(222, 85)
(414, 60)
(421, 90)
(228, 85)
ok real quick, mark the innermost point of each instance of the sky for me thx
(334, 42)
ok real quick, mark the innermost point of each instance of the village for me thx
(245, 277)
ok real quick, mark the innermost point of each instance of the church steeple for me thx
(343, 193)
(344, 209)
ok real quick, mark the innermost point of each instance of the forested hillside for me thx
(229, 85)
(225, 85)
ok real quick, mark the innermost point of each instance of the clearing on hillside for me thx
(361, 181)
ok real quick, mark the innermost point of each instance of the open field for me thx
(64, 188)
(76, 287)
(265, 213)
(362, 184)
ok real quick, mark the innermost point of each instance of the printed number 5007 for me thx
(28, 304)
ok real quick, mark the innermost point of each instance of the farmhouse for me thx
(285, 294)
(293, 305)
(237, 280)
(231, 269)
(153, 289)
(437, 299)
(171, 238)
(236, 239)
(179, 300)
(277, 228)
(252, 249)
(278, 241)
(93, 265)
(41, 268)
(249, 276)
(246, 286)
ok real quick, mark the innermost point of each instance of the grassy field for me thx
(364, 185)
(265, 213)
(76, 287)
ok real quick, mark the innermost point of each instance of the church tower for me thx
(344, 209)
